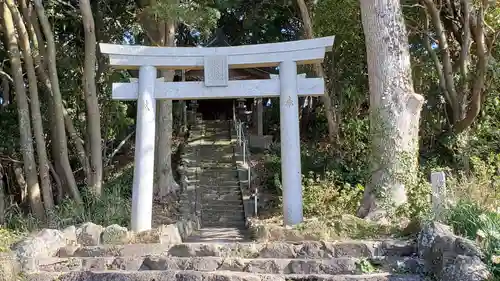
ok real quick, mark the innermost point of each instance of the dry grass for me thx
(325, 229)
(484, 191)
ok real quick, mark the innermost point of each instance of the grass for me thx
(477, 223)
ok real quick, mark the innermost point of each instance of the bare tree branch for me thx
(433, 12)
(477, 89)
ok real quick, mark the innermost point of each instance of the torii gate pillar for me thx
(142, 190)
(290, 144)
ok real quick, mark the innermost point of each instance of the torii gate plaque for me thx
(216, 62)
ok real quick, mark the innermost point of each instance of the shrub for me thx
(327, 188)
(7, 238)
(324, 196)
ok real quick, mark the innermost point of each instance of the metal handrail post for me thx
(244, 152)
(238, 127)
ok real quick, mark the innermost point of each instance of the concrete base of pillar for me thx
(262, 142)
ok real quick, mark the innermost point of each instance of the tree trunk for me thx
(26, 140)
(21, 182)
(2, 194)
(395, 109)
(93, 115)
(78, 143)
(59, 186)
(43, 163)
(58, 106)
(39, 52)
(166, 183)
(333, 126)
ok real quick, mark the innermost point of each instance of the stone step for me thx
(217, 163)
(172, 275)
(233, 204)
(222, 187)
(233, 194)
(221, 206)
(335, 266)
(206, 181)
(215, 180)
(221, 198)
(219, 234)
(234, 224)
(204, 189)
(221, 176)
(220, 147)
(223, 183)
(218, 209)
(210, 148)
(232, 212)
(222, 220)
(222, 203)
(309, 249)
(207, 201)
(216, 169)
(216, 196)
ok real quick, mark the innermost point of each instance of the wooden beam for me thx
(235, 89)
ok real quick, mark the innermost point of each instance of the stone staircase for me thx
(220, 250)
(213, 181)
(339, 261)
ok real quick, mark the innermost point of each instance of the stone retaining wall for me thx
(63, 243)
(189, 212)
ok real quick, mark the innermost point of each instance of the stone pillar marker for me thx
(216, 62)
(438, 196)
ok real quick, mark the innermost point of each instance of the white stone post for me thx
(438, 196)
(290, 144)
(142, 193)
(260, 125)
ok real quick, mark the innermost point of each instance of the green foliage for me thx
(324, 196)
(7, 238)
(365, 266)
(195, 14)
(114, 207)
(474, 222)
(9, 143)
(419, 202)
(475, 211)
(486, 133)
(327, 190)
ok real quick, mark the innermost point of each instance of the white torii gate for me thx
(216, 62)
